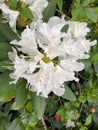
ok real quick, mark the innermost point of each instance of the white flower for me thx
(20, 65)
(37, 7)
(28, 42)
(48, 79)
(50, 36)
(50, 33)
(35, 24)
(10, 15)
(70, 123)
(13, 15)
(77, 48)
(78, 29)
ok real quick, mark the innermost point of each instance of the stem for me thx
(80, 90)
(43, 122)
(79, 112)
(60, 102)
(82, 76)
(81, 108)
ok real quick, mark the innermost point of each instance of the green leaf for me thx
(96, 9)
(82, 99)
(4, 49)
(3, 121)
(69, 95)
(6, 32)
(88, 120)
(76, 1)
(86, 2)
(29, 107)
(21, 95)
(49, 11)
(61, 112)
(94, 58)
(91, 14)
(59, 4)
(65, 28)
(96, 1)
(16, 125)
(2, 38)
(32, 122)
(95, 117)
(96, 68)
(6, 91)
(39, 104)
(77, 15)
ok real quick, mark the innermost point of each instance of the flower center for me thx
(46, 59)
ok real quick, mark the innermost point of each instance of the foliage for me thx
(21, 109)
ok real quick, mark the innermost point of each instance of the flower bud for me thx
(57, 117)
(92, 110)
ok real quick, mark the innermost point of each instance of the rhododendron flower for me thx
(49, 57)
(10, 16)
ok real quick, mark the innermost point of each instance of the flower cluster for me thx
(48, 56)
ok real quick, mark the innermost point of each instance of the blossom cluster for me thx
(46, 55)
(49, 57)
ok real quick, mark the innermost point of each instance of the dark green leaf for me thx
(95, 117)
(39, 104)
(96, 1)
(4, 49)
(6, 91)
(2, 38)
(65, 28)
(49, 11)
(91, 14)
(16, 125)
(3, 121)
(6, 32)
(21, 95)
(96, 68)
(69, 95)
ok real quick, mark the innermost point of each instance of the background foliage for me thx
(21, 109)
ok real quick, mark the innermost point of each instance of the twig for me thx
(43, 122)
(60, 102)
(79, 112)
(82, 76)
(78, 85)
(78, 115)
